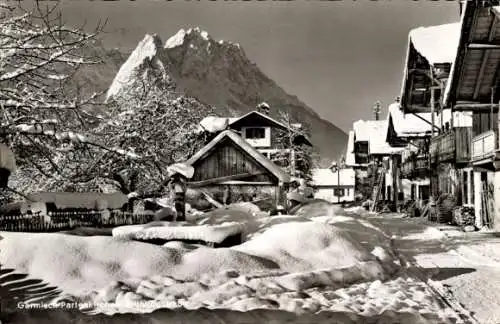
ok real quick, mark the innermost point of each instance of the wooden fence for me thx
(61, 221)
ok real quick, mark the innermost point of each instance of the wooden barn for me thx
(230, 169)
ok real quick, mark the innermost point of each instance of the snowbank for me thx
(301, 246)
(326, 261)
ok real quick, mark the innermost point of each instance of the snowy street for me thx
(463, 267)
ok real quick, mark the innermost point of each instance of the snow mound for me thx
(175, 231)
(294, 263)
(300, 246)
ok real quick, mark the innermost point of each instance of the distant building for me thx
(262, 132)
(371, 153)
(329, 187)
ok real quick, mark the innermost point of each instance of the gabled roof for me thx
(326, 177)
(247, 148)
(374, 132)
(475, 70)
(436, 44)
(361, 130)
(216, 124)
(258, 114)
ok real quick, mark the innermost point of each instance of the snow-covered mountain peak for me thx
(176, 40)
(147, 49)
(181, 37)
(198, 31)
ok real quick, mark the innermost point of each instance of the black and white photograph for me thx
(248, 162)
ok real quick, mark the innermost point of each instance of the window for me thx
(338, 192)
(255, 133)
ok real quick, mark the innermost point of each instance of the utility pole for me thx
(290, 144)
(376, 110)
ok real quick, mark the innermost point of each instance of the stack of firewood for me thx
(463, 216)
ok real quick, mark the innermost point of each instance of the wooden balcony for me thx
(454, 146)
(416, 166)
(485, 146)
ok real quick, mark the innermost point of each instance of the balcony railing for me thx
(484, 145)
(416, 166)
(452, 146)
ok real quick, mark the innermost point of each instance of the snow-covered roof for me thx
(437, 44)
(375, 133)
(378, 139)
(409, 125)
(361, 131)
(255, 112)
(245, 146)
(214, 124)
(326, 177)
(87, 200)
(419, 124)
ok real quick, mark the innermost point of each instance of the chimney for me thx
(376, 110)
(264, 108)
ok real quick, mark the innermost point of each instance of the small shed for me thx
(229, 169)
(334, 186)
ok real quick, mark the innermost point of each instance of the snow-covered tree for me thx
(305, 156)
(43, 117)
(155, 122)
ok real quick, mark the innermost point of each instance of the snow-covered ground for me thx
(323, 262)
(464, 267)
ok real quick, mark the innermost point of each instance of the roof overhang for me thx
(474, 76)
(429, 56)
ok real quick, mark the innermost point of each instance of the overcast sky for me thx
(338, 57)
